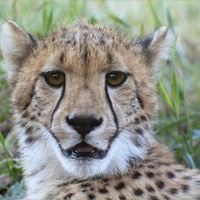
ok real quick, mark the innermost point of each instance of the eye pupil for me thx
(55, 76)
(113, 76)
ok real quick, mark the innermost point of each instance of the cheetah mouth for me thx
(84, 151)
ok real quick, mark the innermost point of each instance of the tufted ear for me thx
(156, 46)
(16, 45)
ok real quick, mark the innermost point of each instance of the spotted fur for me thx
(133, 165)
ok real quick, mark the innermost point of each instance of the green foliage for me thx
(9, 165)
(15, 192)
(178, 123)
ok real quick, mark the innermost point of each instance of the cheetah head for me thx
(84, 98)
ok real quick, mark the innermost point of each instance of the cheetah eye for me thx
(54, 78)
(115, 78)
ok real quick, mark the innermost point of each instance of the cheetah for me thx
(84, 103)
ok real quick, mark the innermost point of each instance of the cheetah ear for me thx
(157, 46)
(16, 45)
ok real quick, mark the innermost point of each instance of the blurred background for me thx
(178, 122)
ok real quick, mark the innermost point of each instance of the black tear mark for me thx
(58, 104)
(112, 109)
(52, 115)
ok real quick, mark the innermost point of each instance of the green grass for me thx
(178, 122)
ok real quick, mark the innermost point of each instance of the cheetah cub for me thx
(84, 101)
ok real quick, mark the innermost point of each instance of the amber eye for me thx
(115, 78)
(54, 78)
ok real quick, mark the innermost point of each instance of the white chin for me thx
(83, 169)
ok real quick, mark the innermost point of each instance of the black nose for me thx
(84, 124)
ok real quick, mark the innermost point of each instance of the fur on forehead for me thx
(17, 45)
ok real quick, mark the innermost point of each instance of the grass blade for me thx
(166, 96)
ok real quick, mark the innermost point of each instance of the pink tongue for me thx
(84, 148)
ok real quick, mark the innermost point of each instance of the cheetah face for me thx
(84, 98)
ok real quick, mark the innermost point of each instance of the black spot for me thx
(139, 131)
(138, 192)
(129, 113)
(25, 115)
(29, 130)
(53, 39)
(26, 105)
(120, 186)
(105, 180)
(91, 196)
(33, 93)
(185, 188)
(63, 35)
(103, 191)
(44, 46)
(151, 166)
(143, 118)
(140, 101)
(61, 58)
(84, 27)
(102, 41)
(68, 196)
(64, 29)
(136, 175)
(122, 197)
(153, 198)
(166, 197)
(39, 114)
(85, 185)
(150, 175)
(179, 170)
(32, 118)
(63, 185)
(85, 55)
(170, 175)
(160, 184)
(187, 177)
(137, 121)
(23, 124)
(29, 140)
(197, 181)
(149, 188)
(128, 45)
(109, 58)
(67, 41)
(173, 191)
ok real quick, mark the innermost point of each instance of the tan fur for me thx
(153, 179)
(135, 166)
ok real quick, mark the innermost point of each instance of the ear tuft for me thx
(157, 46)
(16, 45)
